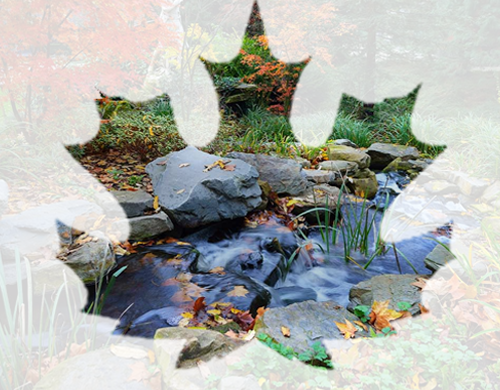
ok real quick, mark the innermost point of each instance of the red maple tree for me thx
(55, 54)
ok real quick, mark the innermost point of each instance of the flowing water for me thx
(250, 267)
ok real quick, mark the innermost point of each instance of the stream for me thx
(249, 266)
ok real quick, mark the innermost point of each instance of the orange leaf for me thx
(347, 329)
(381, 315)
(238, 291)
(199, 304)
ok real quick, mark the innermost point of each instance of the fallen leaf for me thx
(199, 304)
(347, 329)
(184, 165)
(204, 369)
(285, 331)
(128, 352)
(238, 291)
(219, 163)
(361, 325)
(217, 270)
(164, 162)
(180, 191)
(381, 315)
(420, 283)
(156, 204)
(139, 372)
(230, 168)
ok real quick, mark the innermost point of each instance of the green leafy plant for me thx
(135, 179)
(362, 312)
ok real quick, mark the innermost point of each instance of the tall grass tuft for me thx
(24, 341)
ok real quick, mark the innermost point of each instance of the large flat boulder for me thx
(383, 154)
(146, 227)
(347, 153)
(308, 322)
(179, 351)
(283, 175)
(4, 196)
(441, 261)
(97, 370)
(47, 225)
(193, 195)
(92, 257)
(134, 203)
(320, 196)
(395, 288)
(363, 183)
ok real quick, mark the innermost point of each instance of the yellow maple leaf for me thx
(347, 329)
(381, 315)
(238, 291)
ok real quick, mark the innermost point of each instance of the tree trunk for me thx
(369, 94)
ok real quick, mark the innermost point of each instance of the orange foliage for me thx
(53, 53)
(297, 33)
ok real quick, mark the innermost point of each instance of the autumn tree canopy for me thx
(55, 53)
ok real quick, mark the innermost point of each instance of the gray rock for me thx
(318, 176)
(492, 193)
(283, 175)
(4, 196)
(318, 196)
(440, 258)
(193, 198)
(156, 168)
(469, 186)
(308, 322)
(248, 382)
(99, 369)
(10, 271)
(47, 225)
(134, 203)
(383, 154)
(92, 260)
(303, 162)
(342, 167)
(395, 288)
(440, 187)
(148, 226)
(406, 165)
(201, 345)
(347, 153)
(345, 142)
(363, 183)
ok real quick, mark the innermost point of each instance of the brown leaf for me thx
(361, 325)
(285, 331)
(217, 270)
(238, 291)
(347, 329)
(381, 315)
(204, 369)
(199, 304)
(230, 168)
(420, 283)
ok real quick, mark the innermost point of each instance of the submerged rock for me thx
(283, 175)
(194, 196)
(4, 196)
(92, 260)
(47, 225)
(440, 187)
(132, 203)
(347, 153)
(383, 154)
(308, 322)
(395, 288)
(441, 259)
(148, 226)
(179, 351)
(248, 382)
(101, 369)
(363, 183)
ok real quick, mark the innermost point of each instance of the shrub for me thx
(132, 131)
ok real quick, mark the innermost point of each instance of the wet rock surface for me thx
(193, 195)
(283, 175)
(125, 204)
(395, 288)
(304, 331)
(383, 154)
(440, 260)
(179, 350)
(94, 256)
(144, 227)
(86, 371)
(47, 225)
